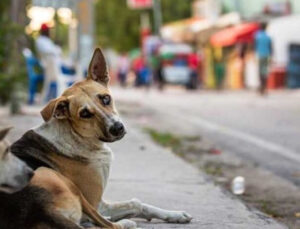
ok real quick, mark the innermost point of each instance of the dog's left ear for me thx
(4, 132)
(57, 108)
(98, 68)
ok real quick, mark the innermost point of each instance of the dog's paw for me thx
(127, 224)
(178, 217)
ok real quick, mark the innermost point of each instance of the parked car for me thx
(176, 68)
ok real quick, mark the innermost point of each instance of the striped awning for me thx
(55, 3)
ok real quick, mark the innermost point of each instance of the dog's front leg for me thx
(135, 208)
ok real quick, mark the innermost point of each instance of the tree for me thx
(118, 27)
(173, 10)
(12, 19)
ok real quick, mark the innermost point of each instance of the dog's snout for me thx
(117, 129)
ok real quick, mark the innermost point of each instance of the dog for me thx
(24, 206)
(14, 173)
(70, 148)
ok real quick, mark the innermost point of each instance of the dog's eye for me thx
(85, 113)
(105, 99)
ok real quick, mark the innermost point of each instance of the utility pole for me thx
(85, 15)
(157, 16)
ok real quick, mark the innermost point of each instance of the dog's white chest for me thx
(101, 164)
(102, 171)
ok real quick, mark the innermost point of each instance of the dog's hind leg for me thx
(135, 208)
(51, 219)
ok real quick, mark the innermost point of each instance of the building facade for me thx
(249, 8)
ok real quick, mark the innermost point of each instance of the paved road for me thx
(265, 130)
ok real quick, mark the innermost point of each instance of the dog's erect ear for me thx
(57, 108)
(3, 132)
(98, 68)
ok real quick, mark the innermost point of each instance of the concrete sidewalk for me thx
(154, 175)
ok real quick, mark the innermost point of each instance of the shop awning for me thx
(192, 29)
(230, 36)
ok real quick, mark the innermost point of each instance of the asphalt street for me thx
(263, 130)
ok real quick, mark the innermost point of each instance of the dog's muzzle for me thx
(117, 129)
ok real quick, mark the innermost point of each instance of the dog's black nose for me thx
(117, 129)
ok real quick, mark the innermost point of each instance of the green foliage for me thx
(118, 27)
(11, 70)
(173, 10)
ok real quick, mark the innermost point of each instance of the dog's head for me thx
(14, 173)
(88, 106)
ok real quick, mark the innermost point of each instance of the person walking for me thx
(160, 75)
(263, 49)
(123, 69)
(193, 66)
(45, 45)
(50, 55)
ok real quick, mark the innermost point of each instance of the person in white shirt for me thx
(50, 55)
(123, 69)
(44, 44)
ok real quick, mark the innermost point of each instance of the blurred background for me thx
(195, 44)
(216, 81)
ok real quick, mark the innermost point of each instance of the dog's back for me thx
(14, 173)
(22, 206)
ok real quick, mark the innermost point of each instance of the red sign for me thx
(140, 4)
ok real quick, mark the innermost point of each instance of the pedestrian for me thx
(160, 75)
(45, 45)
(123, 69)
(263, 49)
(219, 67)
(193, 61)
(50, 55)
(138, 66)
(242, 51)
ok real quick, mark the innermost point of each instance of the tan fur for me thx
(78, 171)
(67, 198)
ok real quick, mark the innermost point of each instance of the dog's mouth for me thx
(110, 138)
(7, 188)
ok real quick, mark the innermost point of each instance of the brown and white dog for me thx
(14, 173)
(24, 206)
(71, 143)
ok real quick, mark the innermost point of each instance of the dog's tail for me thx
(90, 211)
